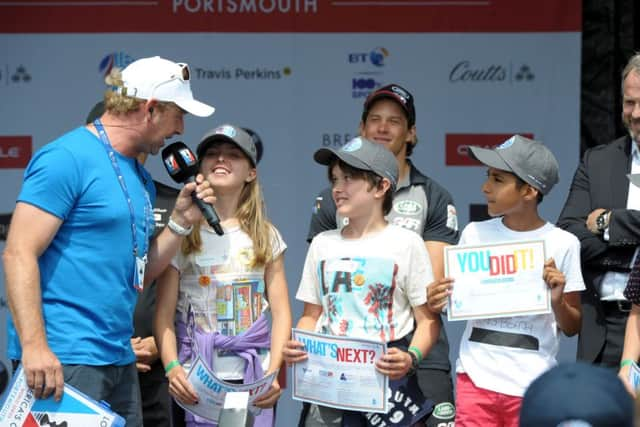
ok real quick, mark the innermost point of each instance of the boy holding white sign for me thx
(368, 280)
(500, 357)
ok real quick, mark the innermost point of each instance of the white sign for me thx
(497, 280)
(340, 373)
(212, 391)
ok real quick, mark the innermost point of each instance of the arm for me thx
(185, 213)
(396, 363)
(324, 215)
(436, 255)
(165, 335)
(310, 315)
(576, 210)
(438, 290)
(566, 306)
(31, 232)
(631, 350)
(146, 352)
(440, 231)
(624, 228)
(278, 293)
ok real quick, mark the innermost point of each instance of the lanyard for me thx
(116, 168)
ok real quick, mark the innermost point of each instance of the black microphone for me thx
(182, 166)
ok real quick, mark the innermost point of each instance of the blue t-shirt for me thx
(86, 273)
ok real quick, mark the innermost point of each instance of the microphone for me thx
(182, 166)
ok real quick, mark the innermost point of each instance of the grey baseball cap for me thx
(363, 154)
(527, 159)
(229, 133)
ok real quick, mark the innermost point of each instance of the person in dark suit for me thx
(603, 211)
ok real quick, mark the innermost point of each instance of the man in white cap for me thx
(79, 247)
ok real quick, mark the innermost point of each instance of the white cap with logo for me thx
(163, 80)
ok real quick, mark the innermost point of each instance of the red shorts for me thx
(483, 408)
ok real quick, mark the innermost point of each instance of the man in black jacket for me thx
(603, 211)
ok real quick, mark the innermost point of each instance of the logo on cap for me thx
(402, 94)
(226, 131)
(353, 145)
(508, 143)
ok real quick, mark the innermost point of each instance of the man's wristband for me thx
(171, 365)
(626, 362)
(417, 352)
(178, 229)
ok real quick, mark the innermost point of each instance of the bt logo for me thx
(376, 57)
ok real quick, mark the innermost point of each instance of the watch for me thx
(602, 221)
(414, 363)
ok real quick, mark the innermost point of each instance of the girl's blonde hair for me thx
(253, 221)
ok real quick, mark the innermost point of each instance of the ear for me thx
(149, 107)
(382, 188)
(531, 194)
(412, 135)
(253, 173)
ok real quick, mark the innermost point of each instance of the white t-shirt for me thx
(366, 286)
(532, 340)
(226, 294)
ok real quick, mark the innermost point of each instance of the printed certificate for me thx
(340, 372)
(497, 280)
(212, 391)
(21, 409)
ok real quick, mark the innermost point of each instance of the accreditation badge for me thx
(138, 275)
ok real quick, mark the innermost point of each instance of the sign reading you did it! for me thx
(497, 280)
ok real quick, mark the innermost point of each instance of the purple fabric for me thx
(244, 345)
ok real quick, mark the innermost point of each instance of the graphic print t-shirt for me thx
(226, 294)
(530, 342)
(366, 286)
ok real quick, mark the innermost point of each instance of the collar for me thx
(635, 151)
(415, 177)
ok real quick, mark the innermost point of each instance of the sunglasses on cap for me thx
(182, 73)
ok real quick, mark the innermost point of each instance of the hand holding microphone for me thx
(182, 166)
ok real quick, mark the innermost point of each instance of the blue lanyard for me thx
(123, 185)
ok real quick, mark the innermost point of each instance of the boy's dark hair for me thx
(372, 178)
(400, 96)
(410, 146)
(520, 182)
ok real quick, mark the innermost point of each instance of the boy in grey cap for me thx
(420, 204)
(368, 281)
(499, 358)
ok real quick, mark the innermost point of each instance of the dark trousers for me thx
(156, 402)
(615, 321)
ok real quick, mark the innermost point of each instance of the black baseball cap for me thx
(396, 93)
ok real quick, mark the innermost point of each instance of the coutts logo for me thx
(465, 71)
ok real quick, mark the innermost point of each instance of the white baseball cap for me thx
(163, 80)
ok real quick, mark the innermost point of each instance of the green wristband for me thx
(626, 362)
(171, 365)
(417, 352)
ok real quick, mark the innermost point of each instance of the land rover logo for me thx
(407, 207)
(444, 411)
